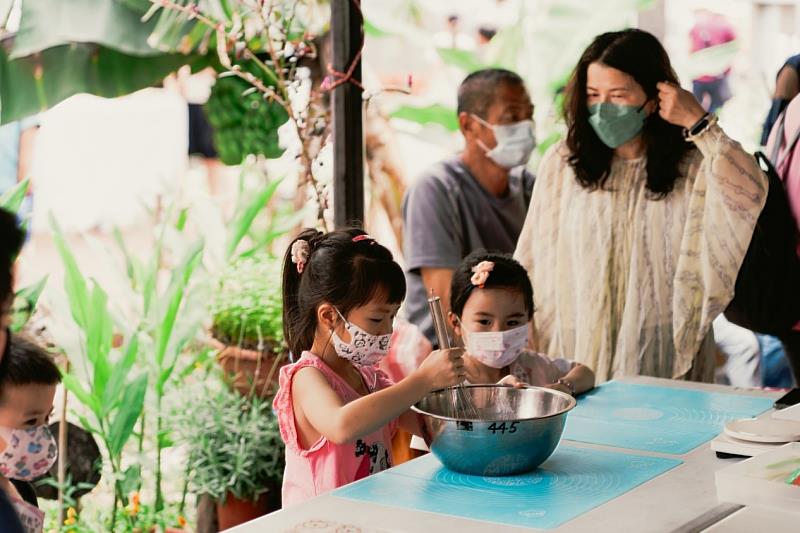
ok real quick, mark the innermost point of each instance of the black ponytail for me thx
(341, 269)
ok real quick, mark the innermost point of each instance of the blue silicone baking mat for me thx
(573, 481)
(657, 419)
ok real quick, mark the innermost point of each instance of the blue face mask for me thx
(616, 124)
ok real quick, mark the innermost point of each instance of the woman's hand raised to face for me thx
(678, 106)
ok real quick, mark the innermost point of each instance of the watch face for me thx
(701, 124)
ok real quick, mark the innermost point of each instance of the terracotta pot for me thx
(250, 371)
(233, 511)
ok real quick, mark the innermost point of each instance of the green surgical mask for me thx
(616, 124)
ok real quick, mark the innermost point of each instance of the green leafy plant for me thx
(260, 48)
(65, 48)
(233, 442)
(24, 304)
(246, 305)
(101, 377)
(244, 123)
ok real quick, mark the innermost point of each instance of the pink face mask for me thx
(496, 349)
(29, 453)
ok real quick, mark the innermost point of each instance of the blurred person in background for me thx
(787, 86)
(711, 29)
(475, 199)
(17, 142)
(453, 36)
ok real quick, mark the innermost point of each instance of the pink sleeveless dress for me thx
(325, 466)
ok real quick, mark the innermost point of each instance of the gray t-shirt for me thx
(448, 215)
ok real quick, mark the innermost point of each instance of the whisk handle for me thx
(439, 324)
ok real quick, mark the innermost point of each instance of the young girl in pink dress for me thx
(337, 412)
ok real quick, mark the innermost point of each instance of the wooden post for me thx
(347, 105)
(62, 450)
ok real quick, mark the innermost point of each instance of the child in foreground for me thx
(28, 379)
(337, 412)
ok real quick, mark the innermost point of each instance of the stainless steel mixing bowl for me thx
(515, 431)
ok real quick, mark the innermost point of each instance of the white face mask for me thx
(29, 453)
(496, 349)
(364, 349)
(515, 142)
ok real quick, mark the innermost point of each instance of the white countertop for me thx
(669, 502)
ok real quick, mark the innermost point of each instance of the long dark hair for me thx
(640, 55)
(507, 274)
(340, 271)
(11, 238)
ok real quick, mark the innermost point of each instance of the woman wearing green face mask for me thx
(639, 219)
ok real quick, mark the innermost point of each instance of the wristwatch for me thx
(705, 122)
(567, 384)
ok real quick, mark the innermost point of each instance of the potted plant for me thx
(235, 453)
(247, 325)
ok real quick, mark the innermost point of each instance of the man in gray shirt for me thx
(476, 199)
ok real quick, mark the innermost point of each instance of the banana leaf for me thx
(35, 83)
(111, 24)
(98, 47)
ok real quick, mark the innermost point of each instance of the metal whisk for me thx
(462, 402)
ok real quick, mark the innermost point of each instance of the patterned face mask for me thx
(364, 349)
(29, 453)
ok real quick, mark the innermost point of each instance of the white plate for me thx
(763, 430)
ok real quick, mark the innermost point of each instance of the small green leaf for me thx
(30, 297)
(131, 480)
(120, 374)
(33, 292)
(183, 216)
(372, 30)
(129, 267)
(712, 60)
(165, 439)
(129, 411)
(463, 59)
(12, 199)
(98, 339)
(245, 220)
(175, 294)
(74, 386)
(74, 282)
(85, 424)
(432, 114)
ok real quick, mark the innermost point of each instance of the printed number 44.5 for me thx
(503, 427)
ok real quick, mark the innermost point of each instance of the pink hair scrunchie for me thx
(480, 273)
(300, 251)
